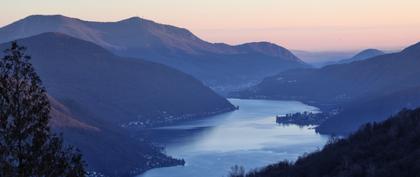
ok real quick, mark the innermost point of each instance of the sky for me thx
(312, 25)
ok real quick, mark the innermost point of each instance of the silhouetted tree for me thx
(237, 171)
(27, 146)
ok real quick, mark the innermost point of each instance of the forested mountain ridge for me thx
(387, 149)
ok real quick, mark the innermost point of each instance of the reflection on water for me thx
(249, 137)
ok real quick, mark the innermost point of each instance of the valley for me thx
(249, 137)
(290, 90)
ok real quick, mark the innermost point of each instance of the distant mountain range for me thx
(221, 66)
(363, 55)
(368, 90)
(319, 59)
(97, 96)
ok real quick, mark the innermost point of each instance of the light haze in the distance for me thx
(315, 25)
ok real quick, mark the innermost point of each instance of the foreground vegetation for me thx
(27, 146)
(387, 149)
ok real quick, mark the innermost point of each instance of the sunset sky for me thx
(315, 25)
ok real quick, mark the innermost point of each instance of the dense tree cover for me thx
(387, 149)
(27, 146)
(305, 118)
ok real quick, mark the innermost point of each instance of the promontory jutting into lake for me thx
(249, 137)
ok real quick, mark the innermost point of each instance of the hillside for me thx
(370, 109)
(107, 150)
(360, 88)
(363, 55)
(387, 149)
(82, 74)
(221, 66)
(344, 82)
(97, 97)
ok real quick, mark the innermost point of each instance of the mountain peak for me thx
(132, 19)
(56, 17)
(269, 49)
(261, 43)
(368, 53)
(363, 55)
(61, 40)
(46, 16)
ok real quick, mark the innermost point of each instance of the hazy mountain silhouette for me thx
(367, 90)
(219, 65)
(365, 54)
(320, 59)
(103, 95)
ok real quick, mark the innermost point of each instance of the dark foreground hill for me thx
(221, 66)
(99, 96)
(108, 150)
(367, 90)
(387, 149)
(370, 109)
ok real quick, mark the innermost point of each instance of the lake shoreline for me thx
(215, 138)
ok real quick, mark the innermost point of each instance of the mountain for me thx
(82, 74)
(320, 59)
(363, 55)
(370, 109)
(365, 90)
(221, 66)
(99, 97)
(108, 150)
(386, 149)
(62, 118)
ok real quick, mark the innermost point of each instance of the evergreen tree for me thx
(28, 148)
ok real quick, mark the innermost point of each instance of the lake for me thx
(249, 137)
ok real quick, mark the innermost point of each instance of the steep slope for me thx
(219, 65)
(80, 73)
(370, 109)
(387, 149)
(96, 96)
(363, 55)
(107, 150)
(61, 117)
(366, 90)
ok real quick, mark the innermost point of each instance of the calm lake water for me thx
(248, 137)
